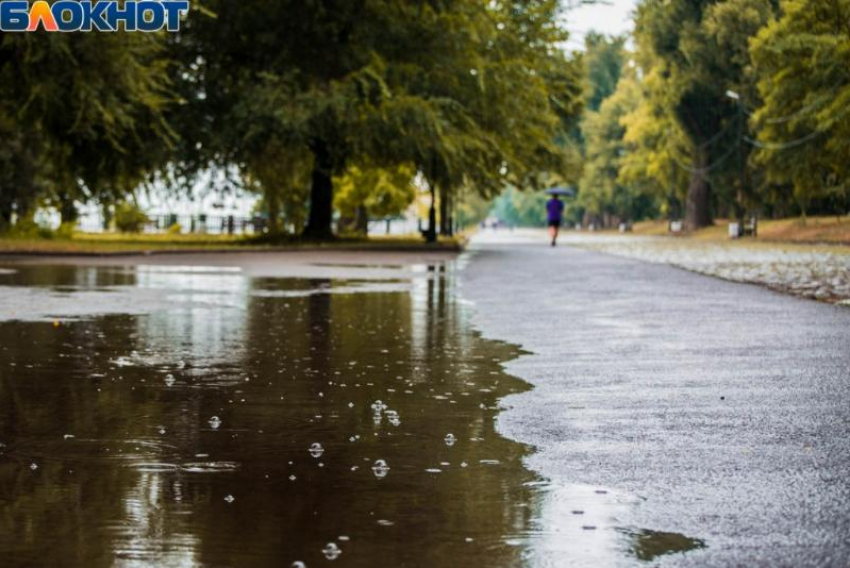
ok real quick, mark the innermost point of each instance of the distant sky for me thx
(614, 17)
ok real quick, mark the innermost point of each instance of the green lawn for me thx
(117, 243)
(815, 230)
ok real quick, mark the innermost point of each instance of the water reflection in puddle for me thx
(236, 421)
(649, 545)
(579, 525)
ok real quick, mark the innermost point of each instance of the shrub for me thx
(66, 230)
(129, 218)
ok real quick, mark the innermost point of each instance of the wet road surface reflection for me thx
(178, 416)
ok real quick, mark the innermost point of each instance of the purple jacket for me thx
(554, 207)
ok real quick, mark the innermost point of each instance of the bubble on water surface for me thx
(378, 406)
(450, 440)
(393, 417)
(316, 450)
(215, 422)
(385, 523)
(33, 466)
(170, 380)
(331, 551)
(297, 564)
(380, 469)
(434, 470)
(230, 498)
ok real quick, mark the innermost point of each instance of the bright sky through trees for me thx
(611, 18)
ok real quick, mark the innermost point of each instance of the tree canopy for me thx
(463, 91)
(733, 107)
(803, 125)
(324, 108)
(81, 117)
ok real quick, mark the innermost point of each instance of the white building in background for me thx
(211, 195)
(214, 198)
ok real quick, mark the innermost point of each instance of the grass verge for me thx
(815, 230)
(117, 243)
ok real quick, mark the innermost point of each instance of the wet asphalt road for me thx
(720, 411)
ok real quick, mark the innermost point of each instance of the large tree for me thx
(604, 193)
(462, 90)
(699, 49)
(81, 116)
(802, 61)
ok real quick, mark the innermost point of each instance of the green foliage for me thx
(521, 208)
(281, 176)
(81, 116)
(366, 192)
(652, 141)
(602, 192)
(319, 104)
(469, 93)
(472, 209)
(27, 228)
(290, 94)
(671, 135)
(690, 55)
(603, 61)
(802, 61)
(129, 217)
(66, 230)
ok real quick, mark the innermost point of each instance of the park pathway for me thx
(706, 408)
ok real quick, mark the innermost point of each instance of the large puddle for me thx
(191, 416)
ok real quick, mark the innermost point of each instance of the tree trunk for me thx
(321, 195)
(445, 212)
(431, 233)
(107, 214)
(345, 224)
(698, 206)
(5, 218)
(68, 212)
(361, 220)
(273, 206)
(6, 207)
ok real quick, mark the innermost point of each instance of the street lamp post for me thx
(741, 174)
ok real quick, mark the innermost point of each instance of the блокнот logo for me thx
(87, 16)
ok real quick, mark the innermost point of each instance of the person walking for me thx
(554, 211)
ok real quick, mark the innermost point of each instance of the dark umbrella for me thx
(564, 191)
